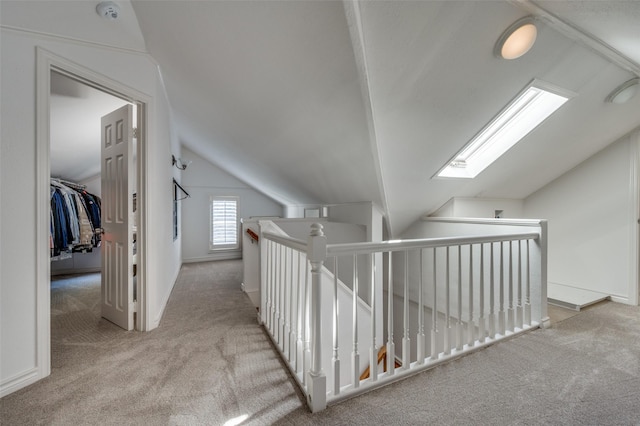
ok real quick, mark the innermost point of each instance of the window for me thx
(537, 102)
(224, 223)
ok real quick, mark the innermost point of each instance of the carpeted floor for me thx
(209, 363)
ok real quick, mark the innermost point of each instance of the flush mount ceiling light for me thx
(624, 92)
(516, 40)
(530, 108)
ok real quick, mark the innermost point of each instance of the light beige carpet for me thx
(209, 363)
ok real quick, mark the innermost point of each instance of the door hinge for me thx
(135, 132)
(134, 306)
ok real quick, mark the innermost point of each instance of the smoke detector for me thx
(108, 10)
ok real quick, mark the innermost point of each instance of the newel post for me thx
(316, 381)
(538, 276)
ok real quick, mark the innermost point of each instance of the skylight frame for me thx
(502, 133)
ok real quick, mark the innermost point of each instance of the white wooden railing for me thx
(444, 298)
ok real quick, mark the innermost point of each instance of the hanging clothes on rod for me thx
(75, 215)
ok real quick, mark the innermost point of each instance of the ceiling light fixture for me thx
(516, 40)
(530, 108)
(624, 92)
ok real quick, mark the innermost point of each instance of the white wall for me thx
(202, 180)
(480, 207)
(93, 184)
(23, 358)
(592, 213)
(442, 227)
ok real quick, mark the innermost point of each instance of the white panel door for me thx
(117, 239)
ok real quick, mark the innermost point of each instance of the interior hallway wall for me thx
(22, 358)
(592, 214)
(202, 180)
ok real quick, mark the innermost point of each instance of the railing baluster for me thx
(460, 325)
(519, 311)
(292, 303)
(482, 332)
(355, 356)
(492, 304)
(336, 358)
(501, 313)
(511, 312)
(373, 351)
(406, 341)
(276, 293)
(471, 325)
(527, 299)
(300, 317)
(281, 307)
(286, 347)
(274, 289)
(391, 346)
(447, 307)
(306, 357)
(295, 287)
(420, 337)
(267, 313)
(434, 313)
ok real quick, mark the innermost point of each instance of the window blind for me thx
(224, 223)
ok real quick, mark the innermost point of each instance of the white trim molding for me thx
(634, 217)
(47, 61)
(19, 381)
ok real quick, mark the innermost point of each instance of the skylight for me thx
(530, 108)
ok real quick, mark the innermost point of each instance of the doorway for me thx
(46, 64)
(78, 213)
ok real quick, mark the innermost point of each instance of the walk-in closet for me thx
(77, 207)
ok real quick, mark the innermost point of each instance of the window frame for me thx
(221, 247)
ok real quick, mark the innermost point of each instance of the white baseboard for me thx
(19, 381)
(214, 256)
(165, 301)
(620, 299)
(254, 295)
(75, 271)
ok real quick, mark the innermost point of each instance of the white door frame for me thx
(45, 63)
(634, 216)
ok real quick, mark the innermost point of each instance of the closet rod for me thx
(69, 183)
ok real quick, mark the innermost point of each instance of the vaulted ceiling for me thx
(334, 102)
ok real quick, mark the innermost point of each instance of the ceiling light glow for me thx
(517, 40)
(530, 108)
(624, 92)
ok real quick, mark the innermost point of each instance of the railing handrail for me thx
(402, 245)
(399, 245)
(485, 221)
(286, 241)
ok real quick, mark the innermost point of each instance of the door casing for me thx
(46, 62)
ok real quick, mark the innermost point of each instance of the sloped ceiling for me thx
(75, 113)
(268, 91)
(332, 102)
(335, 102)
